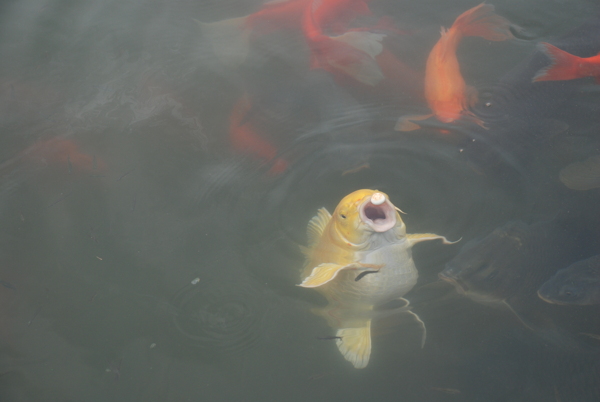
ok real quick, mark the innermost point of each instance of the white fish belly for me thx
(397, 276)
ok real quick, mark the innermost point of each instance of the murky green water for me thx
(149, 253)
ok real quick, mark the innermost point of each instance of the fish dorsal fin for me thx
(316, 226)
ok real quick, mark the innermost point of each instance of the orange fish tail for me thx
(563, 65)
(482, 21)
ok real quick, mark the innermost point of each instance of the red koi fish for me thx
(445, 90)
(351, 53)
(230, 38)
(565, 66)
(245, 140)
(62, 152)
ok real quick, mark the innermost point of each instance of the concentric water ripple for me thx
(219, 317)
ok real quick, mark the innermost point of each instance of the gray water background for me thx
(98, 250)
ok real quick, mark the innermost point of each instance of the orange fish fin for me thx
(472, 117)
(482, 21)
(563, 65)
(355, 344)
(419, 237)
(229, 38)
(407, 123)
(471, 96)
(316, 226)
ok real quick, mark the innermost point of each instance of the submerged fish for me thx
(351, 53)
(578, 284)
(566, 66)
(445, 90)
(583, 175)
(507, 266)
(364, 234)
(231, 38)
(245, 140)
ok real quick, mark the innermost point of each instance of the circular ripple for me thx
(220, 317)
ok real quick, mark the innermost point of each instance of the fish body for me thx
(246, 140)
(578, 284)
(566, 66)
(231, 38)
(364, 234)
(506, 268)
(351, 53)
(446, 92)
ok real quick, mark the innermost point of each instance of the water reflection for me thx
(134, 161)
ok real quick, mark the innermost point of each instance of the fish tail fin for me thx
(407, 123)
(482, 21)
(229, 38)
(563, 65)
(355, 344)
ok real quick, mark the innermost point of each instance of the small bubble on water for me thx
(195, 281)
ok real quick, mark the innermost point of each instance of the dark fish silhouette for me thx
(507, 266)
(578, 284)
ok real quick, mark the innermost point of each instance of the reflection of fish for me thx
(506, 267)
(583, 175)
(578, 284)
(365, 233)
(565, 66)
(445, 90)
(244, 139)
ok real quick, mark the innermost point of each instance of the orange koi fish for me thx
(245, 140)
(351, 53)
(445, 90)
(565, 66)
(230, 38)
(62, 152)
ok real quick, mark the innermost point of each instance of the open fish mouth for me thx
(460, 286)
(378, 212)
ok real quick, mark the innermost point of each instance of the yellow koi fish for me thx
(364, 235)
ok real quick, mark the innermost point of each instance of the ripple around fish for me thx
(427, 178)
(221, 318)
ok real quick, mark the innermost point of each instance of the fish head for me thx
(488, 268)
(362, 214)
(578, 284)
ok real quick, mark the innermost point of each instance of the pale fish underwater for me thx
(364, 234)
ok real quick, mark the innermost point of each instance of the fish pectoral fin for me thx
(355, 344)
(421, 324)
(322, 274)
(407, 123)
(419, 237)
(326, 272)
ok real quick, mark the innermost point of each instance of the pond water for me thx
(160, 163)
